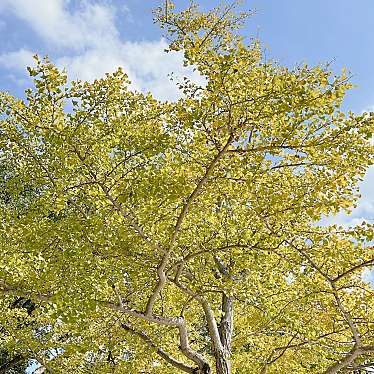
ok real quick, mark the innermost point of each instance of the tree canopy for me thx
(162, 237)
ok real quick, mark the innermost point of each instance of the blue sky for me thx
(91, 37)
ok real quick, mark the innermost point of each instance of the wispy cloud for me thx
(91, 24)
(17, 60)
(88, 44)
(145, 62)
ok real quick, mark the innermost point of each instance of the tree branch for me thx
(358, 348)
(177, 322)
(198, 189)
(353, 269)
(166, 356)
(349, 358)
(177, 229)
(211, 321)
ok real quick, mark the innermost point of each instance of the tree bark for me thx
(347, 360)
(223, 364)
(223, 356)
(203, 370)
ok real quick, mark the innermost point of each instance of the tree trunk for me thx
(223, 357)
(204, 370)
(223, 364)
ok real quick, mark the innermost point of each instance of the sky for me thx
(92, 37)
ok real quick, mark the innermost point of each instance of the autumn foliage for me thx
(166, 237)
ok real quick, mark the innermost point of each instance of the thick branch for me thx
(309, 259)
(160, 284)
(198, 189)
(349, 358)
(178, 226)
(177, 322)
(353, 269)
(8, 290)
(211, 321)
(166, 356)
(352, 326)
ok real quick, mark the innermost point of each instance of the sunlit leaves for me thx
(95, 175)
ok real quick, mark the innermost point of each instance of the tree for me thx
(182, 236)
(12, 365)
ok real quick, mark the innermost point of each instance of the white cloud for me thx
(17, 60)
(145, 62)
(87, 26)
(90, 45)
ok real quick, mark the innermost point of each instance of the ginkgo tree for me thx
(183, 236)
